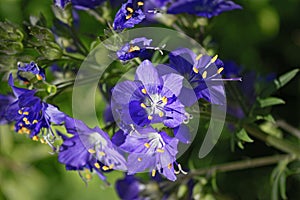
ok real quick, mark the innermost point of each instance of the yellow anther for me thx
(25, 119)
(161, 114)
(25, 130)
(129, 16)
(196, 70)
(97, 165)
(101, 153)
(20, 112)
(39, 77)
(134, 48)
(199, 57)
(27, 122)
(220, 70)
(150, 117)
(105, 168)
(91, 151)
(143, 105)
(147, 145)
(20, 131)
(26, 113)
(42, 141)
(35, 121)
(204, 75)
(153, 172)
(139, 159)
(164, 99)
(159, 150)
(144, 91)
(35, 138)
(140, 3)
(214, 59)
(129, 9)
(169, 165)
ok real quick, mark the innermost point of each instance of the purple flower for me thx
(32, 68)
(150, 150)
(5, 101)
(30, 113)
(79, 4)
(138, 47)
(129, 188)
(202, 73)
(203, 8)
(89, 148)
(130, 14)
(149, 99)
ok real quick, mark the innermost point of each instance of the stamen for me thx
(20, 112)
(39, 77)
(196, 70)
(92, 151)
(220, 70)
(161, 114)
(105, 168)
(153, 172)
(42, 141)
(159, 150)
(25, 119)
(129, 16)
(111, 166)
(25, 113)
(97, 165)
(150, 117)
(147, 145)
(164, 99)
(35, 138)
(129, 9)
(204, 75)
(143, 105)
(139, 159)
(181, 170)
(199, 57)
(35, 121)
(134, 48)
(140, 3)
(101, 153)
(169, 165)
(88, 176)
(144, 91)
(214, 59)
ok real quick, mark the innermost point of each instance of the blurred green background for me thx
(263, 37)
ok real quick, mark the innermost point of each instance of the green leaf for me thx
(270, 101)
(285, 78)
(242, 135)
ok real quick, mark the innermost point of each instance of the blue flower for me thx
(30, 113)
(202, 73)
(5, 101)
(89, 148)
(79, 4)
(203, 8)
(129, 188)
(138, 47)
(149, 99)
(150, 150)
(32, 68)
(130, 14)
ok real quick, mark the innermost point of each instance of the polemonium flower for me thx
(149, 99)
(89, 148)
(150, 150)
(79, 4)
(130, 14)
(5, 101)
(30, 113)
(32, 68)
(202, 73)
(203, 8)
(138, 47)
(129, 188)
